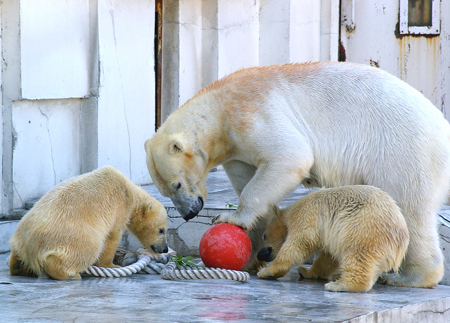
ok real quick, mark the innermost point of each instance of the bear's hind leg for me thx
(323, 267)
(423, 265)
(57, 269)
(419, 202)
(413, 276)
(357, 276)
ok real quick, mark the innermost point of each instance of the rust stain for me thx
(374, 63)
(418, 64)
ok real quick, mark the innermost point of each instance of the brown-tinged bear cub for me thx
(358, 231)
(80, 222)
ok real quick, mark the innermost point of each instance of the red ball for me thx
(225, 246)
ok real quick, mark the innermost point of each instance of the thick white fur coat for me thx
(321, 124)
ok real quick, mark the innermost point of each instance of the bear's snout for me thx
(265, 254)
(194, 209)
(160, 248)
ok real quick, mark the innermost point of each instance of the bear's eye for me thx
(17, 266)
(176, 186)
(162, 231)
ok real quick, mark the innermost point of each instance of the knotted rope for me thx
(161, 264)
(172, 273)
(118, 272)
(146, 263)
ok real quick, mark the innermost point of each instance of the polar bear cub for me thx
(358, 231)
(80, 222)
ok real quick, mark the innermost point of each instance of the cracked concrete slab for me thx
(149, 298)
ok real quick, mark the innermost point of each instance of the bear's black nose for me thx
(189, 216)
(195, 209)
(265, 254)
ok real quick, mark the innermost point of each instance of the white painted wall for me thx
(126, 101)
(210, 42)
(1, 114)
(54, 43)
(46, 149)
(238, 34)
(274, 44)
(204, 40)
(304, 31)
(80, 91)
(190, 33)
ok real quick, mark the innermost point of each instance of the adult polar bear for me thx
(327, 124)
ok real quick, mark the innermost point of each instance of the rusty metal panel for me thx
(370, 34)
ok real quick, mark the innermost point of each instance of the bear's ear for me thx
(176, 146)
(147, 208)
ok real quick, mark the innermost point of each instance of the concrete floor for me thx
(149, 298)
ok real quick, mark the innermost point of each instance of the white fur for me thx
(328, 124)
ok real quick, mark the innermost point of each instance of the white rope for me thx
(159, 264)
(148, 264)
(118, 272)
(172, 273)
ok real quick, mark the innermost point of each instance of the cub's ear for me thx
(147, 207)
(176, 146)
(275, 212)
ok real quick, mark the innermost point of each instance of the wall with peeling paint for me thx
(78, 92)
(423, 61)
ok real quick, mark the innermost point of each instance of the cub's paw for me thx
(269, 273)
(336, 287)
(308, 273)
(305, 272)
(266, 274)
(394, 280)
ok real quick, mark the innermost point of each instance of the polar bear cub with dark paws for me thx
(80, 222)
(358, 231)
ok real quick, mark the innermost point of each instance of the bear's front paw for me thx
(227, 218)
